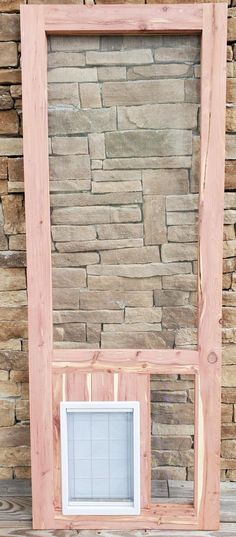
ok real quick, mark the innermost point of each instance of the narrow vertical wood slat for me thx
(36, 175)
(102, 387)
(136, 387)
(58, 396)
(77, 386)
(211, 205)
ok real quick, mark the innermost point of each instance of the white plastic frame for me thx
(92, 507)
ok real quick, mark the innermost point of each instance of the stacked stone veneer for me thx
(172, 399)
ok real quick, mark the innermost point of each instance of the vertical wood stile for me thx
(77, 386)
(36, 172)
(57, 397)
(102, 386)
(211, 207)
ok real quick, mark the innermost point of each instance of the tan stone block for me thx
(178, 317)
(126, 284)
(167, 429)
(171, 298)
(176, 54)
(74, 332)
(3, 239)
(72, 185)
(86, 316)
(16, 91)
(90, 199)
(9, 389)
(165, 182)
(72, 74)
(229, 316)
(119, 57)
(94, 300)
(14, 214)
(111, 73)
(22, 472)
(143, 315)
(185, 337)
(229, 265)
(74, 145)
(230, 175)
(96, 164)
(230, 146)
(96, 245)
(13, 329)
(172, 458)
(90, 95)
(3, 375)
(65, 298)
(8, 122)
(67, 93)
(73, 233)
(15, 455)
(178, 252)
(154, 220)
(228, 395)
(230, 119)
(13, 360)
(229, 248)
(10, 76)
(229, 335)
(158, 116)
(65, 59)
(3, 187)
(232, 29)
(116, 175)
(96, 145)
(10, 5)
(148, 143)
(81, 121)
(25, 390)
(169, 472)
(186, 233)
(182, 203)
(3, 168)
(231, 90)
(228, 449)
(230, 200)
(12, 279)
(170, 70)
(234, 282)
(173, 413)
(95, 215)
(8, 54)
(93, 333)
(142, 92)
(148, 162)
(229, 375)
(226, 282)
(229, 232)
(140, 271)
(137, 340)
(68, 277)
(73, 44)
(6, 101)
(123, 186)
(17, 242)
(7, 413)
(19, 376)
(181, 218)
(192, 91)
(69, 167)
(132, 327)
(74, 260)
(181, 282)
(13, 298)
(9, 27)
(148, 254)
(11, 146)
(15, 169)
(13, 314)
(119, 231)
(231, 474)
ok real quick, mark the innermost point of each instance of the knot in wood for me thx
(212, 358)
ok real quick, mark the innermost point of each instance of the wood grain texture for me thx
(102, 387)
(211, 209)
(36, 174)
(123, 19)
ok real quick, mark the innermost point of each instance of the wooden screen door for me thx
(123, 374)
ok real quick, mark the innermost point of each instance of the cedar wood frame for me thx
(52, 368)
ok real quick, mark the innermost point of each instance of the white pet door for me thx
(100, 449)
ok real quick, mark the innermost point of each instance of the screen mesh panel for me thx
(100, 465)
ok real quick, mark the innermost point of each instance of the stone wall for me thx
(156, 293)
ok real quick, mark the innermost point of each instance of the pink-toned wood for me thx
(36, 20)
(58, 396)
(123, 19)
(118, 359)
(102, 386)
(136, 387)
(211, 207)
(77, 386)
(35, 122)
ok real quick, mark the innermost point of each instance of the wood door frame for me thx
(209, 21)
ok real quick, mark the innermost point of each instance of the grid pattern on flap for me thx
(100, 447)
